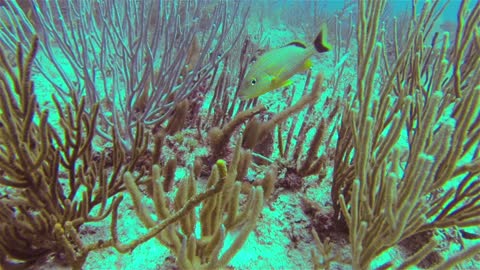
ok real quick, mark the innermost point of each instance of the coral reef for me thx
(53, 185)
(121, 128)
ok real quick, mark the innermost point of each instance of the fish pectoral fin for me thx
(274, 79)
(275, 82)
(278, 84)
(280, 71)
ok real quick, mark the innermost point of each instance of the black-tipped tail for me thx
(321, 43)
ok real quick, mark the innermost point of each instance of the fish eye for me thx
(254, 81)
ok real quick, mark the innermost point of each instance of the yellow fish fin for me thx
(287, 83)
(277, 84)
(308, 64)
(274, 79)
(280, 71)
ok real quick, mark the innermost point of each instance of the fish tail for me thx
(321, 43)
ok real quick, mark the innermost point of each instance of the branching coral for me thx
(407, 145)
(53, 184)
(292, 151)
(140, 56)
(220, 214)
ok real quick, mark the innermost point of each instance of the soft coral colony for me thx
(145, 89)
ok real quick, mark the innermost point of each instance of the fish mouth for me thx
(242, 94)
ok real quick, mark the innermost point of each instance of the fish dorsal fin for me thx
(297, 43)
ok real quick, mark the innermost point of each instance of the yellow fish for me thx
(275, 68)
